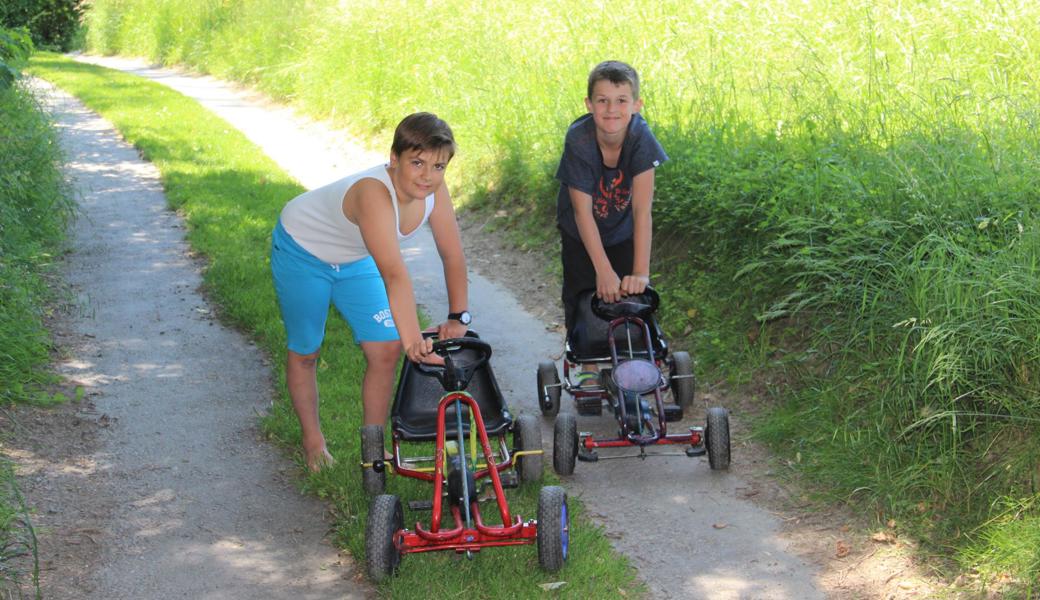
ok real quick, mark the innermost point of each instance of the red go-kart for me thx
(458, 406)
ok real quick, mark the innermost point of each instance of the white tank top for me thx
(316, 221)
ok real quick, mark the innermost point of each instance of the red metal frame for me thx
(694, 438)
(461, 538)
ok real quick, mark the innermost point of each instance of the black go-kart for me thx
(635, 373)
(458, 407)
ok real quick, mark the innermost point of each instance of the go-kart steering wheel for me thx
(637, 305)
(455, 377)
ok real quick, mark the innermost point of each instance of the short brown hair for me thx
(615, 72)
(423, 131)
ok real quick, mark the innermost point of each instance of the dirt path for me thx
(690, 532)
(168, 489)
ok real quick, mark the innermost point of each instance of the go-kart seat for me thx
(587, 341)
(413, 416)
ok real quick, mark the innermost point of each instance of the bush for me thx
(53, 24)
(15, 47)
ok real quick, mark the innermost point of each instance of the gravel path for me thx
(690, 532)
(177, 496)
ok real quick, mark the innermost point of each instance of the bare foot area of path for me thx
(108, 501)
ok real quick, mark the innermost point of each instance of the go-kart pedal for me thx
(589, 406)
(420, 504)
(510, 479)
(633, 417)
(588, 456)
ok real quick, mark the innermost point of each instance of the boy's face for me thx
(420, 172)
(612, 106)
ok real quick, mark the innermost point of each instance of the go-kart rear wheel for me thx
(385, 519)
(373, 478)
(526, 437)
(682, 381)
(553, 528)
(565, 444)
(548, 388)
(717, 438)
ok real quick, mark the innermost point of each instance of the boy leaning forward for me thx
(606, 178)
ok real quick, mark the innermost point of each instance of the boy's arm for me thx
(608, 285)
(375, 217)
(445, 229)
(642, 234)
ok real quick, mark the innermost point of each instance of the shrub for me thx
(53, 24)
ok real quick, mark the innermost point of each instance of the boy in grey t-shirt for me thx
(606, 178)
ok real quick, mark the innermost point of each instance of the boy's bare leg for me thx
(302, 380)
(378, 383)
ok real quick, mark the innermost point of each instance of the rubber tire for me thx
(553, 528)
(385, 519)
(372, 450)
(565, 444)
(683, 389)
(528, 436)
(717, 438)
(548, 400)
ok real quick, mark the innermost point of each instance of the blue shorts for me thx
(306, 286)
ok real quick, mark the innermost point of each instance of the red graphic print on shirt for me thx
(611, 196)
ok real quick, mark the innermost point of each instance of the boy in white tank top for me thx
(340, 244)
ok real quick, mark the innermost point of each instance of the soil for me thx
(62, 454)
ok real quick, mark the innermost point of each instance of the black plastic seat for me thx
(587, 342)
(413, 415)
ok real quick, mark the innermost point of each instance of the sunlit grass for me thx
(230, 194)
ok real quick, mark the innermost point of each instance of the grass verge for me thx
(34, 209)
(230, 195)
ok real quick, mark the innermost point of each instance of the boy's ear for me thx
(393, 158)
(637, 105)
(588, 105)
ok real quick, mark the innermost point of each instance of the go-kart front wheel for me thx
(565, 443)
(717, 438)
(553, 528)
(548, 388)
(527, 437)
(385, 519)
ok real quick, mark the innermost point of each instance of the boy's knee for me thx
(303, 361)
(383, 354)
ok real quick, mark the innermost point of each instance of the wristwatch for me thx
(462, 317)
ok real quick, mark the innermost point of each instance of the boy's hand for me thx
(422, 351)
(608, 287)
(634, 284)
(451, 329)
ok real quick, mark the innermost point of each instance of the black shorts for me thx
(579, 274)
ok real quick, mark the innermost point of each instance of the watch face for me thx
(464, 317)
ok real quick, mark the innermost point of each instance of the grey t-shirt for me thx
(582, 168)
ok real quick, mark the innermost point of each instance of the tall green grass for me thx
(850, 208)
(34, 208)
(231, 194)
